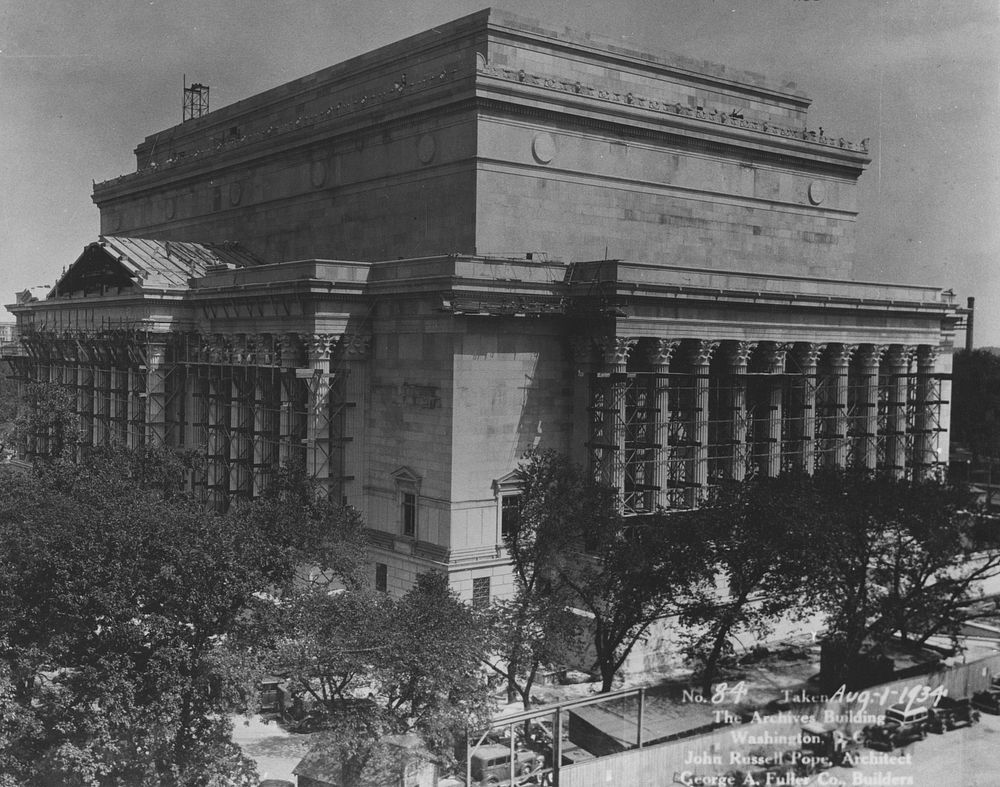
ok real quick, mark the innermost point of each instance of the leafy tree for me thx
(47, 413)
(529, 630)
(8, 406)
(373, 665)
(535, 626)
(899, 558)
(759, 539)
(121, 602)
(622, 573)
(975, 408)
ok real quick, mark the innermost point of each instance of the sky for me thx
(82, 83)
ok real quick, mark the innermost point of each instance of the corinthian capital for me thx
(616, 349)
(320, 345)
(738, 352)
(661, 351)
(871, 355)
(927, 355)
(700, 351)
(356, 346)
(900, 356)
(808, 353)
(840, 354)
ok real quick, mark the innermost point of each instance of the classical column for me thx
(241, 423)
(659, 355)
(840, 360)
(737, 355)
(898, 360)
(134, 427)
(289, 347)
(156, 394)
(217, 422)
(266, 407)
(318, 444)
(356, 352)
(807, 354)
(102, 383)
(119, 405)
(581, 349)
(615, 352)
(870, 357)
(774, 356)
(700, 353)
(85, 393)
(194, 415)
(925, 423)
(217, 428)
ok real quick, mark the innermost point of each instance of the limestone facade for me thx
(484, 239)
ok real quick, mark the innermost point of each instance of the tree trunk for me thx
(607, 673)
(725, 626)
(712, 662)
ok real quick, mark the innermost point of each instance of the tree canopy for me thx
(760, 538)
(373, 665)
(120, 599)
(899, 558)
(620, 574)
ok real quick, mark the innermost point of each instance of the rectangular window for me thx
(481, 593)
(381, 577)
(509, 514)
(409, 514)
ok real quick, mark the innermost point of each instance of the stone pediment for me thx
(511, 482)
(406, 477)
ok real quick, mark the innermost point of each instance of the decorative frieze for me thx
(733, 118)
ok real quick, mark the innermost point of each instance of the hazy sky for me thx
(81, 83)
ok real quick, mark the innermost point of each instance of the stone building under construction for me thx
(405, 270)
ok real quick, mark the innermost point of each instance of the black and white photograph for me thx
(550, 394)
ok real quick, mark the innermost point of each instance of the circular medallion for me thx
(317, 174)
(426, 147)
(817, 192)
(235, 193)
(543, 147)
